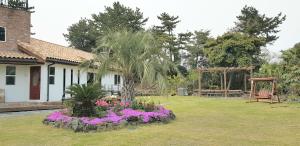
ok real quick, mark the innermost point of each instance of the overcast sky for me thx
(52, 17)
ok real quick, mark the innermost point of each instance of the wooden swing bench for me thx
(264, 93)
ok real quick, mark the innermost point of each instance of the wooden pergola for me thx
(223, 70)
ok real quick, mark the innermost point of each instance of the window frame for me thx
(11, 75)
(117, 79)
(5, 34)
(52, 76)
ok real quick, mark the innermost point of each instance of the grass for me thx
(200, 121)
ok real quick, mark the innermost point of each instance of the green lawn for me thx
(200, 121)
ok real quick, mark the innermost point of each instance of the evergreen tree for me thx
(251, 22)
(196, 50)
(168, 24)
(234, 49)
(83, 35)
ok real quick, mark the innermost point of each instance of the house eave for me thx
(61, 61)
(19, 61)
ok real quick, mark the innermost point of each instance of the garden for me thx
(88, 110)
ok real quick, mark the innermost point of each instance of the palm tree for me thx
(135, 56)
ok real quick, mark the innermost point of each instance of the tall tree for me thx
(168, 24)
(251, 22)
(234, 49)
(196, 49)
(291, 67)
(119, 17)
(135, 56)
(84, 34)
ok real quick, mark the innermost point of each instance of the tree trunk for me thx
(128, 89)
(230, 80)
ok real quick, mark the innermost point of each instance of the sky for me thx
(52, 17)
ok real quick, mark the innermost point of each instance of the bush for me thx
(82, 102)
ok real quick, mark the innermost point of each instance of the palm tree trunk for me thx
(128, 89)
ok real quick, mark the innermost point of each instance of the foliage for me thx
(174, 82)
(196, 49)
(165, 36)
(286, 71)
(101, 108)
(135, 56)
(251, 22)
(83, 35)
(119, 17)
(234, 49)
(291, 68)
(83, 98)
(18, 4)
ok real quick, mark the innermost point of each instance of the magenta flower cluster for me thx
(112, 117)
(59, 116)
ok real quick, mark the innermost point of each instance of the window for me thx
(117, 79)
(2, 34)
(90, 77)
(78, 77)
(71, 76)
(64, 83)
(52, 75)
(10, 75)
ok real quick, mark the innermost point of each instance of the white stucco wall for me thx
(20, 92)
(108, 82)
(56, 90)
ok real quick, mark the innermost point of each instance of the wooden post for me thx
(254, 91)
(199, 83)
(221, 80)
(245, 82)
(251, 92)
(225, 83)
(273, 90)
(251, 73)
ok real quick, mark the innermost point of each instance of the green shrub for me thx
(82, 102)
(136, 105)
(149, 107)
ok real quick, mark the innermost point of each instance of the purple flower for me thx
(110, 117)
(113, 117)
(58, 116)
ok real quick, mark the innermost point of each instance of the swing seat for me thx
(263, 94)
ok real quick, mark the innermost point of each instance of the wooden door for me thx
(35, 80)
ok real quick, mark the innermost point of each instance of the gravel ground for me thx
(15, 114)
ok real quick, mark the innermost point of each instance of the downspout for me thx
(48, 80)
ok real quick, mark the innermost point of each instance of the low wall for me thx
(2, 96)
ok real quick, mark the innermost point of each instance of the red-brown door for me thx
(35, 79)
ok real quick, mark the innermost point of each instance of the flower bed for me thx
(112, 119)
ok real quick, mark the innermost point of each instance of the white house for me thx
(33, 70)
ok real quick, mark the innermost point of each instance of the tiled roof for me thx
(14, 55)
(44, 50)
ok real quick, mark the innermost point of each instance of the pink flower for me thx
(102, 103)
